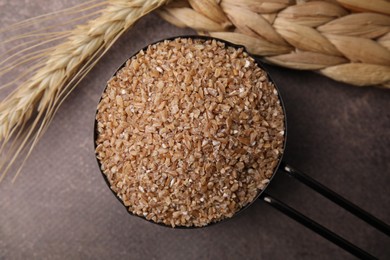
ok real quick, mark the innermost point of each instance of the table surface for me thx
(61, 208)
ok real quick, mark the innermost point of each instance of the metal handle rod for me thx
(336, 198)
(316, 227)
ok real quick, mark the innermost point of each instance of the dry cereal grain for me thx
(189, 131)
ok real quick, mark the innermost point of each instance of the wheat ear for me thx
(64, 66)
(346, 40)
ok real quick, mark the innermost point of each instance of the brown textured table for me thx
(61, 208)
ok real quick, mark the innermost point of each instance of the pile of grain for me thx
(189, 131)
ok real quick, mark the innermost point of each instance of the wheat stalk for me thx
(346, 40)
(63, 68)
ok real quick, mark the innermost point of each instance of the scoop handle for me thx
(316, 227)
(335, 197)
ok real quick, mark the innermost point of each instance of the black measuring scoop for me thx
(285, 168)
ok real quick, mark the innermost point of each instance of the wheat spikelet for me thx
(346, 40)
(60, 72)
